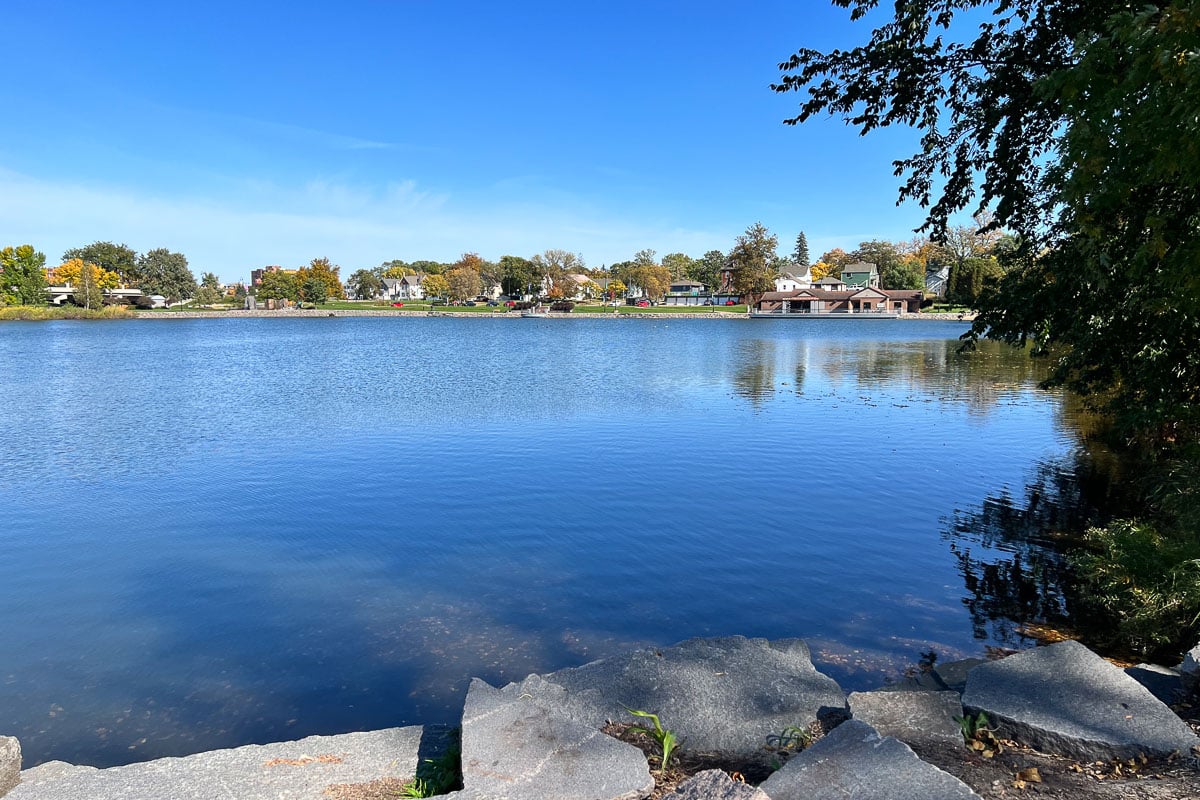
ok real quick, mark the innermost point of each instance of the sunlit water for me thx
(217, 532)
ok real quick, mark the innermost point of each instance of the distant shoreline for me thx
(318, 312)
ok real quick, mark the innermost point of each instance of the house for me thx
(860, 275)
(577, 286)
(868, 300)
(391, 289)
(686, 292)
(936, 280)
(830, 284)
(412, 287)
(790, 282)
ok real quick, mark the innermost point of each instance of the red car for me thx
(730, 303)
(398, 305)
(643, 303)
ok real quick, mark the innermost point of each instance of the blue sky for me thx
(244, 134)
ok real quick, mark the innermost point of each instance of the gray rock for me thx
(713, 784)
(854, 761)
(10, 763)
(1163, 682)
(1190, 669)
(910, 716)
(954, 673)
(719, 695)
(921, 682)
(300, 770)
(515, 748)
(1065, 699)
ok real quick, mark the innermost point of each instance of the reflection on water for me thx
(225, 531)
(1013, 552)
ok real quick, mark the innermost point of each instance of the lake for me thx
(226, 531)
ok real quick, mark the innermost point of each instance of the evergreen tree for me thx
(800, 255)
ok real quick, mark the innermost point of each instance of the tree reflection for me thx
(754, 378)
(980, 379)
(1014, 553)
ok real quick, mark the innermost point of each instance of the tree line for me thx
(975, 256)
(92, 269)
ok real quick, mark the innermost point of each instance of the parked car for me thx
(398, 305)
(468, 302)
(492, 303)
(730, 303)
(643, 303)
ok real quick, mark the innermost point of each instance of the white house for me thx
(790, 281)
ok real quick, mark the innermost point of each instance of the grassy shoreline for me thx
(46, 313)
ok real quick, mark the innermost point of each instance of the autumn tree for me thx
(393, 269)
(165, 273)
(463, 283)
(821, 270)
(436, 286)
(653, 279)
(752, 262)
(22, 276)
(837, 258)
(616, 289)
(118, 259)
(70, 273)
(88, 292)
(326, 272)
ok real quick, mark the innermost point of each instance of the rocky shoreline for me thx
(1058, 721)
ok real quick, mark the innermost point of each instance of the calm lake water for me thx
(217, 532)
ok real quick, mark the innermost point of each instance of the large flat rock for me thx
(299, 770)
(10, 763)
(1065, 699)
(953, 674)
(515, 748)
(719, 695)
(854, 761)
(911, 717)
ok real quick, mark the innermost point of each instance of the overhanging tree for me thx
(1075, 122)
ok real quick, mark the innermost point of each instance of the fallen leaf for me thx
(1031, 775)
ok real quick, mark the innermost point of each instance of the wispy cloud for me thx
(264, 223)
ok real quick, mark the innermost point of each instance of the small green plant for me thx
(977, 735)
(667, 740)
(437, 776)
(791, 738)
